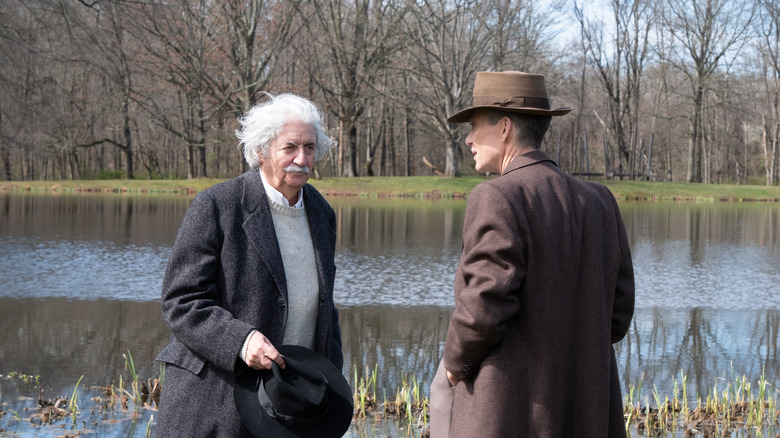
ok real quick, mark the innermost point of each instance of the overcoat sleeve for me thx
(623, 306)
(491, 270)
(190, 295)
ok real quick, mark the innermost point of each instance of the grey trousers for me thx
(442, 396)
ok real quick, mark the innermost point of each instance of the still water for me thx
(80, 279)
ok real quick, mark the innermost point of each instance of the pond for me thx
(81, 278)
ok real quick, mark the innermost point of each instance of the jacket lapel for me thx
(318, 228)
(259, 227)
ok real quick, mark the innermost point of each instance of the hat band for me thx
(288, 420)
(514, 101)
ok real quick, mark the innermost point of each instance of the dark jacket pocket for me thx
(178, 354)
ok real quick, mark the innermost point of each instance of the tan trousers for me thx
(442, 396)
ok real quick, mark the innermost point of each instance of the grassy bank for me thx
(419, 187)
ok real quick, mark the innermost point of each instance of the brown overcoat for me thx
(545, 286)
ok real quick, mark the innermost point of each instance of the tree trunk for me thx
(202, 132)
(690, 177)
(351, 170)
(408, 140)
(6, 164)
(190, 162)
(452, 168)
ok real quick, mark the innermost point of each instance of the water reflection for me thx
(393, 252)
(81, 277)
(705, 255)
(707, 345)
(125, 219)
(701, 224)
(61, 340)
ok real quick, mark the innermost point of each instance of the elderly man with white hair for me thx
(252, 268)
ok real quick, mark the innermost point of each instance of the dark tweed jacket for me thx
(225, 277)
(544, 287)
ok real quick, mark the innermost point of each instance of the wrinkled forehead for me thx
(297, 133)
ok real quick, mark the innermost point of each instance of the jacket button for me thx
(280, 302)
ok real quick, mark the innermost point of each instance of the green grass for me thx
(416, 187)
(660, 191)
(112, 186)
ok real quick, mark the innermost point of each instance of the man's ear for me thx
(507, 129)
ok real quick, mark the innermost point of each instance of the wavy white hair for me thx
(261, 124)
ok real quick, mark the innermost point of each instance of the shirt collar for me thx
(277, 196)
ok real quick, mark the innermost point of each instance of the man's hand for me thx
(260, 353)
(453, 379)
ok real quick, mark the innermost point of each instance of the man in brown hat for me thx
(545, 284)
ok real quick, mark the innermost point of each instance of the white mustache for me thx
(294, 168)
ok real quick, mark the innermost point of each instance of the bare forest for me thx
(664, 90)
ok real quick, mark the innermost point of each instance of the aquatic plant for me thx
(364, 396)
(17, 419)
(734, 407)
(149, 427)
(737, 407)
(26, 378)
(135, 395)
(73, 405)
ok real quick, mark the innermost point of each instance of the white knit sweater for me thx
(300, 270)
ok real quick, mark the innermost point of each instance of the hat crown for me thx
(296, 395)
(510, 84)
(512, 91)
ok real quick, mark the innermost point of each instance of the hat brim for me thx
(254, 417)
(463, 116)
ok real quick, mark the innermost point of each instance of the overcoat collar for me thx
(259, 227)
(528, 159)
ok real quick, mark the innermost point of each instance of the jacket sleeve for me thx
(623, 306)
(190, 294)
(491, 270)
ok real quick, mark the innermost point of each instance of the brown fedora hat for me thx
(512, 91)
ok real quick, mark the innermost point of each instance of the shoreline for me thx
(421, 187)
(739, 407)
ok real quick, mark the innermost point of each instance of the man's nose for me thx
(300, 156)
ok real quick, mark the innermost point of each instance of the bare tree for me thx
(768, 45)
(452, 41)
(255, 34)
(708, 35)
(100, 87)
(350, 43)
(455, 39)
(18, 36)
(107, 51)
(619, 61)
(181, 39)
